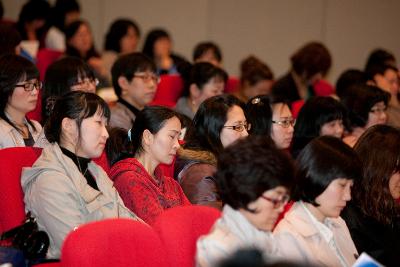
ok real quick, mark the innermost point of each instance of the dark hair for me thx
(9, 39)
(70, 32)
(204, 47)
(312, 116)
(60, 76)
(347, 79)
(205, 130)
(152, 37)
(60, 10)
(201, 73)
(259, 113)
(379, 151)
(118, 29)
(379, 69)
(311, 59)
(127, 65)
(30, 11)
(151, 118)
(380, 56)
(253, 70)
(323, 160)
(74, 105)
(13, 70)
(248, 168)
(360, 99)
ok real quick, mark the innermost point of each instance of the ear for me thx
(123, 84)
(147, 138)
(194, 91)
(69, 128)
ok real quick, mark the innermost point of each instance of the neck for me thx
(17, 116)
(148, 163)
(193, 105)
(315, 211)
(133, 102)
(394, 101)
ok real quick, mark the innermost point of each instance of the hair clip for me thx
(130, 135)
(256, 101)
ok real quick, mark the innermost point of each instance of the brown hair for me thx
(253, 70)
(379, 152)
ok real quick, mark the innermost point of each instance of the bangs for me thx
(31, 72)
(96, 105)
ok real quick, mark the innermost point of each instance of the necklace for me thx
(80, 168)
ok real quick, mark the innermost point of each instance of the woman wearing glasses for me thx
(270, 116)
(219, 122)
(19, 90)
(326, 169)
(253, 178)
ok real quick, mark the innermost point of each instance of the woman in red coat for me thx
(135, 156)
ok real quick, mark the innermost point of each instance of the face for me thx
(141, 90)
(281, 135)
(129, 41)
(394, 185)
(22, 101)
(162, 47)
(71, 17)
(85, 85)
(333, 128)
(377, 115)
(235, 116)
(266, 211)
(82, 40)
(93, 136)
(214, 87)
(164, 144)
(334, 199)
(262, 87)
(389, 81)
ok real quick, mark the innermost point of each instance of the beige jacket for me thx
(10, 137)
(60, 198)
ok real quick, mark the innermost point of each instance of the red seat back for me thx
(323, 88)
(179, 229)
(296, 106)
(44, 58)
(232, 85)
(113, 242)
(169, 90)
(12, 160)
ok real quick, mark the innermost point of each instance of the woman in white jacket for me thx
(325, 174)
(64, 189)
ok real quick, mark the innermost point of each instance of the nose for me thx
(105, 132)
(176, 144)
(290, 129)
(339, 130)
(384, 117)
(347, 194)
(244, 133)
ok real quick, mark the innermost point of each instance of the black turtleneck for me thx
(82, 164)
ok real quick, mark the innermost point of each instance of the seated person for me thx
(19, 91)
(135, 83)
(326, 169)
(208, 52)
(64, 188)
(253, 178)
(135, 157)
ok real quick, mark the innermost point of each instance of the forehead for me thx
(235, 113)
(281, 110)
(171, 124)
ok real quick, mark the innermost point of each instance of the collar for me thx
(133, 109)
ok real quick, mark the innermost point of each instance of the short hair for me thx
(204, 47)
(315, 112)
(359, 101)
(70, 32)
(13, 70)
(31, 11)
(118, 29)
(379, 69)
(348, 78)
(152, 118)
(127, 65)
(205, 131)
(253, 70)
(379, 151)
(152, 37)
(380, 56)
(59, 77)
(60, 10)
(75, 105)
(201, 73)
(311, 59)
(248, 168)
(323, 160)
(9, 39)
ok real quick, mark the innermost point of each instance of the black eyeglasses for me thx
(286, 123)
(147, 77)
(28, 86)
(239, 127)
(87, 81)
(278, 202)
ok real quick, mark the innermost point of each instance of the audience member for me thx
(19, 91)
(308, 65)
(347, 79)
(218, 123)
(62, 14)
(373, 216)
(135, 83)
(64, 189)
(380, 57)
(253, 178)
(10, 40)
(366, 106)
(326, 169)
(205, 81)
(135, 157)
(256, 78)
(269, 116)
(122, 38)
(208, 52)
(319, 116)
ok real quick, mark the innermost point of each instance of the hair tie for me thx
(130, 135)
(256, 101)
